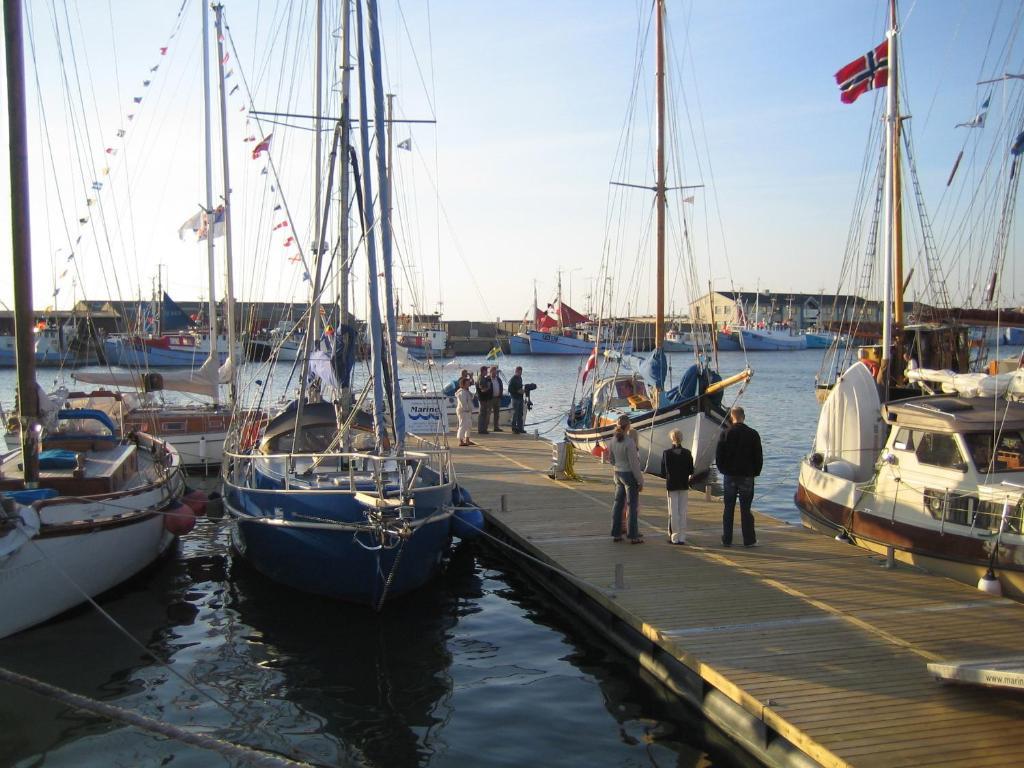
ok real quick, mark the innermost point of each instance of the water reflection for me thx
(371, 688)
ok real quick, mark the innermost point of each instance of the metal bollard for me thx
(503, 506)
(890, 557)
(620, 576)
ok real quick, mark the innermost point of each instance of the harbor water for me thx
(479, 668)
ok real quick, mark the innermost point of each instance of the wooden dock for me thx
(805, 650)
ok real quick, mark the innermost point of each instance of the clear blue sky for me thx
(529, 99)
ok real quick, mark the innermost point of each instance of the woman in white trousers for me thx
(677, 468)
(464, 410)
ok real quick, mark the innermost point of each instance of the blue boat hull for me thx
(519, 345)
(128, 355)
(766, 341)
(728, 342)
(553, 344)
(337, 563)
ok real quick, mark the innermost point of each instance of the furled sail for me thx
(200, 381)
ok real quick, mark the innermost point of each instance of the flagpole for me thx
(890, 191)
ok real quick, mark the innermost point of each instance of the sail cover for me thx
(201, 381)
(850, 430)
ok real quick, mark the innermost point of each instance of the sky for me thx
(508, 188)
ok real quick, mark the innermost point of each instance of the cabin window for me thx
(318, 438)
(938, 450)
(628, 387)
(904, 440)
(1007, 456)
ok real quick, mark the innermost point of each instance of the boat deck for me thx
(802, 647)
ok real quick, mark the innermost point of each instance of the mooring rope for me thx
(246, 755)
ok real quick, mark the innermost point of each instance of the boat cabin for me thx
(625, 391)
(946, 447)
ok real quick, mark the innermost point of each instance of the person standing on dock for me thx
(515, 391)
(629, 479)
(497, 390)
(464, 409)
(677, 468)
(739, 459)
(484, 393)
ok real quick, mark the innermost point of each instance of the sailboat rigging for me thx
(694, 406)
(308, 508)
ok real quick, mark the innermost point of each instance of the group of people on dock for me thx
(489, 388)
(739, 459)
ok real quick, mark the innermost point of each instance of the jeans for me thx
(626, 486)
(517, 414)
(743, 487)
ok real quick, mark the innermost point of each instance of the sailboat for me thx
(81, 508)
(922, 460)
(197, 431)
(694, 407)
(309, 509)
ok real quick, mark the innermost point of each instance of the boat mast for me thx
(897, 186)
(891, 195)
(660, 190)
(344, 319)
(210, 214)
(314, 302)
(21, 244)
(229, 277)
(376, 68)
(373, 321)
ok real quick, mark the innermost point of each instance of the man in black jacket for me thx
(739, 461)
(484, 394)
(515, 391)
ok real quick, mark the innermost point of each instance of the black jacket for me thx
(677, 467)
(515, 387)
(484, 389)
(739, 452)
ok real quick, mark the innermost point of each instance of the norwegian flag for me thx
(865, 73)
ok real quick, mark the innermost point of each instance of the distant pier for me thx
(805, 650)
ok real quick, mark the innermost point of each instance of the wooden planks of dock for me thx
(804, 649)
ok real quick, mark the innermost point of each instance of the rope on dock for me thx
(246, 755)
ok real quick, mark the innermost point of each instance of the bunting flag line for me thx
(978, 121)
(863, 74)
(263, 146)
(406, 145)
(280, 225)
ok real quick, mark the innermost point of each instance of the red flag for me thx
(591, 364)
(281, 225)
(289, 241)
(262, 147)
(866, 73)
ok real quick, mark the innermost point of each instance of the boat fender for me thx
(179, 519)
(468, 520)
(196, 501)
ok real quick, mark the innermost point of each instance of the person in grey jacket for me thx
(629, 479)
